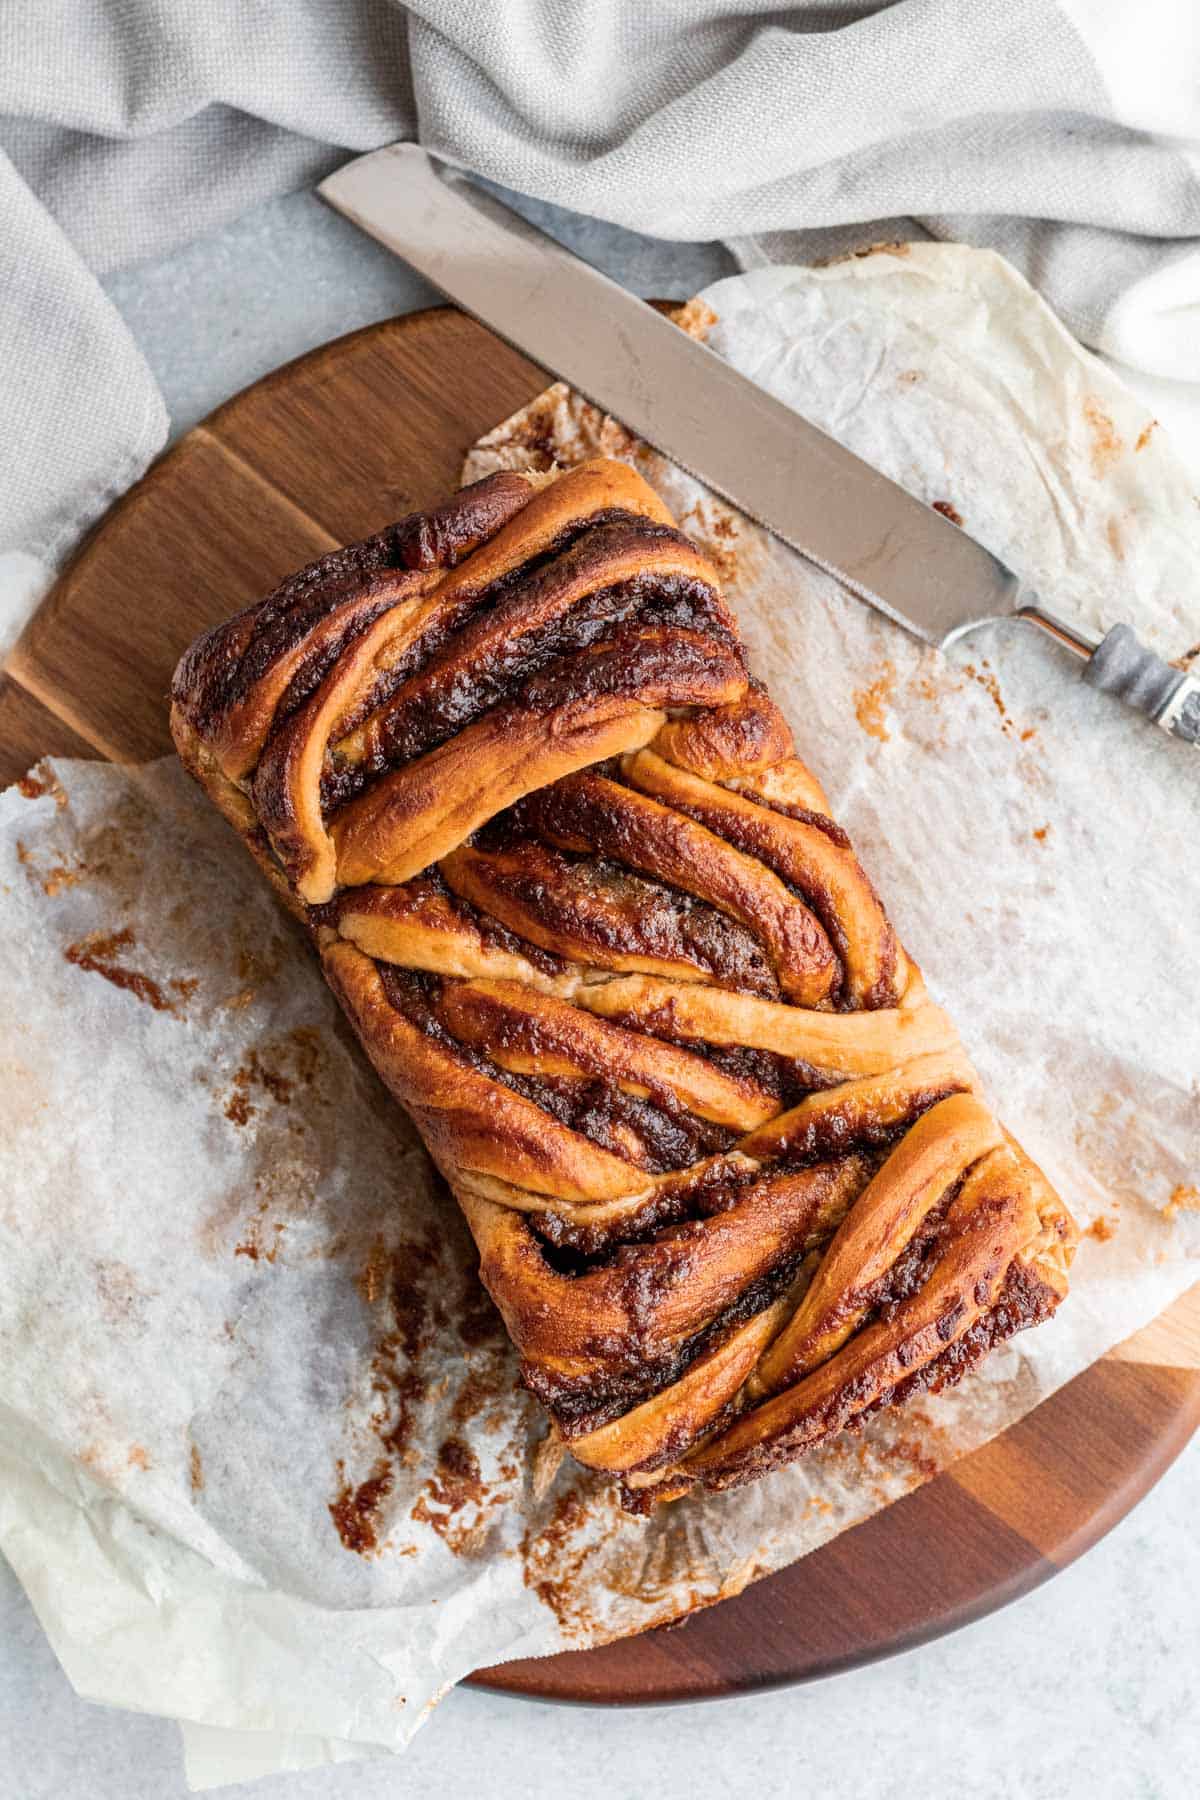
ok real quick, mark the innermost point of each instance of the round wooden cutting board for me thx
(332, 448)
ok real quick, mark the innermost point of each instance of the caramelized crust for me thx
(729, 1171)
(531, 1034)
(602, 915)
(592, 815)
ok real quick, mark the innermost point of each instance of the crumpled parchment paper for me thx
(263, 1464)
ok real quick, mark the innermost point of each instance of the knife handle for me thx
(1120, 664)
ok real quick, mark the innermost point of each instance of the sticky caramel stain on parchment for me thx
(488, 1380)
(882, 1456)
(554, 1558)
(424, 1298)
(1184, 1198)
(274, 1071)
(588, 1548)
(1106, 444)
(355, 1508)
(98, 954)
(238, 1109)
(252, 1222)
(404, 1278)
(51, 880)
(103, 856)
(107, 854)
(983, 675)
(105, 952)
(911, 1454)
(910, 1448)
(264, 1238)
(371, 1279)
(40, 780)
(653, 1568)
(256, 966)
(455, 1501)
(934, 681)
(871, 703)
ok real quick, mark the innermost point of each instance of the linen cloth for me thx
(1065, 133)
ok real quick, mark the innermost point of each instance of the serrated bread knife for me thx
(920, 569)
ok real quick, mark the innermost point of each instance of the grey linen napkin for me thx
(1063, 132)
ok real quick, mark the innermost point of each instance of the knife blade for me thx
(921, 570)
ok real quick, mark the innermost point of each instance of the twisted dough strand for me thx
(728, 1169)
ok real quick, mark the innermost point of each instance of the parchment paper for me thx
(263, 1465)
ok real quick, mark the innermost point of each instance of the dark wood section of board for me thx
(994, 1526)
(334, 447)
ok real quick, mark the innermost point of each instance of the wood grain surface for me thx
(329, 449)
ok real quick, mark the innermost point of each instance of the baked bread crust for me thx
(730, 1173)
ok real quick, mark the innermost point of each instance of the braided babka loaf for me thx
(729, 1171)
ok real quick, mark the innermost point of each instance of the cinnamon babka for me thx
(731, 1176)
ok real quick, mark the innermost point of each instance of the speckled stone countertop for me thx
(1085, 1689)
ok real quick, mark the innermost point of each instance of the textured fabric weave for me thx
(1062, 132)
